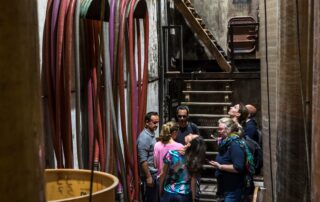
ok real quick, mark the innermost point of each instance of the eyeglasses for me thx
(182, 116)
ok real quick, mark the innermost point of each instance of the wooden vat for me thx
(74, 185)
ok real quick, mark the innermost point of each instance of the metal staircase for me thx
(196, 24)
(208, 101)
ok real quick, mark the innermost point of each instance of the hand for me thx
(150, 182)
(160, 191)
(215, 164)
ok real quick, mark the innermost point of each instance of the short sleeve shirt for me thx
(145, 146)
(178, 178)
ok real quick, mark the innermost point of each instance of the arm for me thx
(143, 144)
(237, 157)
(156, 156)
(163, 176)
(228, 168)
(147, 173)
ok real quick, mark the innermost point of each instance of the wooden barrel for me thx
(74, 185)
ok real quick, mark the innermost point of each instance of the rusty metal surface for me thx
(242, 34)
(203, 34)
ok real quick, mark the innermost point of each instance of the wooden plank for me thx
(212, 75)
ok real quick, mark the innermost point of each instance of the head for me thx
(238, 112)
(195, 155)
(168, 131)
(182, 116)
(151, 121)
(251, 110)
(189, 138)
(226, 127)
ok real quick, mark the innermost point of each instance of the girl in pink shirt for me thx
(166, 143)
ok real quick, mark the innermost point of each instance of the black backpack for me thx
(259, 134)
(256, 152)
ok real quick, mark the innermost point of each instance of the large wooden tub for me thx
(74, 186)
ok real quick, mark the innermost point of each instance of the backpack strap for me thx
(249, 164)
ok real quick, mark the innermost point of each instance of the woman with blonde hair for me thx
(166, 142)
(230, 161)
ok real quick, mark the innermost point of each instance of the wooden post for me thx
(315, 141)
(21, 151)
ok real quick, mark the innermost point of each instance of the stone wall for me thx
(216, 15)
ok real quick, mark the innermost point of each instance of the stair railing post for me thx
(165, 44)
(232, 48)
(181, 48)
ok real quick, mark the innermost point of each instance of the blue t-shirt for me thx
(178, 178)
(183, 132)
(229, 182)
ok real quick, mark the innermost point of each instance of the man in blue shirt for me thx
(145, 145)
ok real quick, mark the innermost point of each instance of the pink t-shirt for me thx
(160, 150)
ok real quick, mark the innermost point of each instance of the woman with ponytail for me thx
(166, 142)
(181, 167)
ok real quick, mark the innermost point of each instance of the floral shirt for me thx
(178, 178)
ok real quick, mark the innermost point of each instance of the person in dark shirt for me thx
(185, 126)
(230, 162)
(251, 128)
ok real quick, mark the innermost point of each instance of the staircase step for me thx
(208, 103)
(191, 8)
(208, 200)
(207, 194)
(208, 190)
(199, 20)
(188, 3)
(209, 115)
(211, 153)
(208, 167)
(210, 140)
(208, 127)
(222, 80)
(208, 180)
(205, 92)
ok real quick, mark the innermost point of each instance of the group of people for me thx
(171, 164)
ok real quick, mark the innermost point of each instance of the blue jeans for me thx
(234, 196)
(170, 197)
